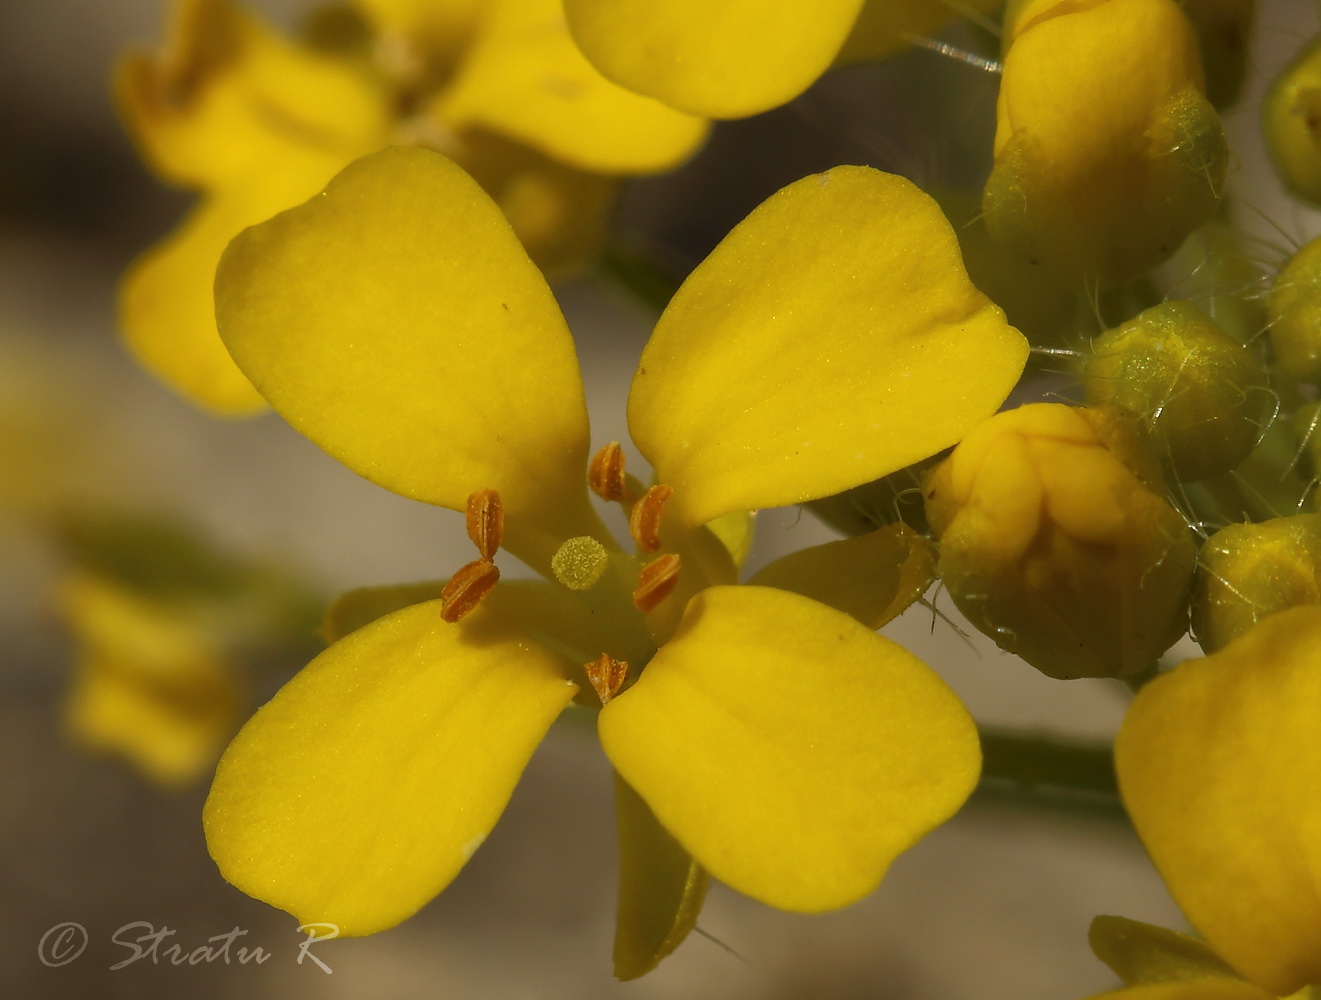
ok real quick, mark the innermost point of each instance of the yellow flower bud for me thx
(1294, 311)
(1054, 543)
(1248, 571)
(1201, 394)
(1107, 154)
(1291, 121)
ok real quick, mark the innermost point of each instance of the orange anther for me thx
(656, 582)
(466, 588)
(486, 522)
(607, 676)
(605, 476)
(645, 519)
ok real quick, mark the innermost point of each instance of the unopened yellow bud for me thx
(1054, 543)
(1294, 311)
(1200, 393)
(1248, 571)
(1291, 121)
(1107, 154)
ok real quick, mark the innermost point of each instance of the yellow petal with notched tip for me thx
(358, 792)
(525, 79)
(167, 301)
(396, 321)
(661, 888)
(1219, 766)
(872, 577)
(721, 60)
(794, 753)
(826, 342)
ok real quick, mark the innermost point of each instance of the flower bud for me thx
(1248, 571)
(1294, 311)
(1200, 393)
(1291, 122)
(1054, 543)
(1107, 154)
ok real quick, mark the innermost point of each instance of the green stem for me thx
(639, 273)
(1049, 770)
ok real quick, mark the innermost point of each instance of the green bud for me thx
(1200, 393)
(1054, 543)
(1294, 311)
(1248, 571)
(1291, 121)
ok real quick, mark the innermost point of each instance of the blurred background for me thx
(994, 904)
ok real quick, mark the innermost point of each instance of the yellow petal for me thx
(792, 751)
(358, 792)
(167, 301)
(872, 577)
(525, 78)
(661, 888)
(824, 343)
(226, 96)
(720, 60)
(1143, 953)
(396, 321)
(1219, 767)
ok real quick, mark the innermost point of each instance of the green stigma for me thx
(579, 562)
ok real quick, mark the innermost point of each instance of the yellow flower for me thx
(1107, 154)
(259, 123)
(1054, 543)
(740, 57)
(1219, 766)
(758, 734)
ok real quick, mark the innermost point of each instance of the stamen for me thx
(579, 562)
(656, 582)
(605, 476)
(607, 676)
(486, 522)
(466, 588)
(645, 518)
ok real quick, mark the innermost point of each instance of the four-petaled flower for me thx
(758, 734)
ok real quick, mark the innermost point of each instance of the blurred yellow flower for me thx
(1219, 766)
(1107, 154)
(1055, 543)
(758, 734)
(151, 683)
(259, 123)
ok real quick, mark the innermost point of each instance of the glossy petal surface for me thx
(822, 344)
(396, 321)
(299, 814)
(792, 751)
(721, 60)
(525, 78)
(1219, 766)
